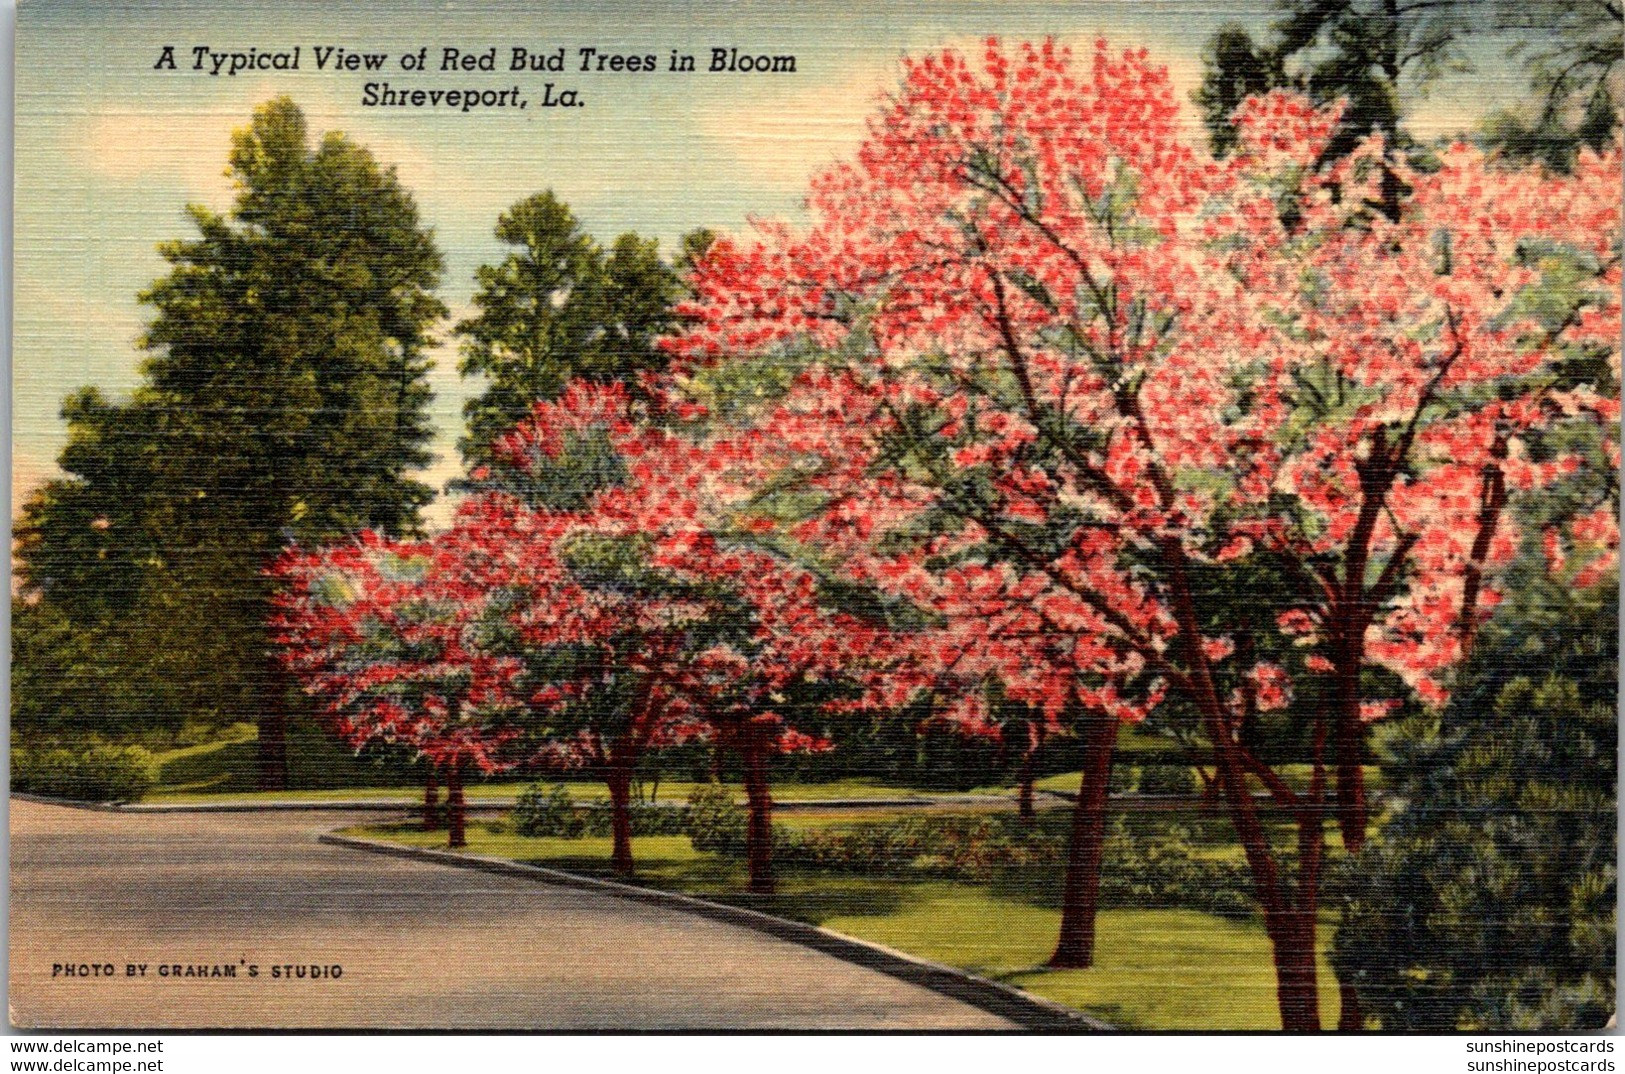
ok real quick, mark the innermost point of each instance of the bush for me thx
(887, 847)
(1486, 899)
(715, 821)
(1167, 779)
(647, 819)
(544, 810)
(1163, 871)
(95, 773)
(1123, 779)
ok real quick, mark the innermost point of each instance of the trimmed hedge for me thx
(1161, 871)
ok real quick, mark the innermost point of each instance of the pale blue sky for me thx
(108, 151)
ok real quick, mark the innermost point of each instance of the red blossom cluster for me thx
(1057, 376)
(385, 635)
(1072, 366)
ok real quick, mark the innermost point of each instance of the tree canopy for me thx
(283, 397)
(559, 307)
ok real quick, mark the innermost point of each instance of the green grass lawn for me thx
(1156, 969)
(322, 771)
(668, 791)
(317, 765)
(1295, 776)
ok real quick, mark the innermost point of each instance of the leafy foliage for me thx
(1487, 900)
(284, 394)
(543, 810)
(1377, 55)
(1080, 385)
(558, 308)
(715, 821)
(92, 772)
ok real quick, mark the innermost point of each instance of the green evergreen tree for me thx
(1486, 901)
(284, 398)
(559, 306)
(1374, 52)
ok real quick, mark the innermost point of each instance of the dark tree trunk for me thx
(1353, 815)
(1289, 923)
(1297, 989)
(1080, 895)
(431, 800)
(1028, 772)
(273, 728)
(273, 752)
(1349, 1017)
(456, 834)
(619, 778)
(1291, 933)
(759, 830)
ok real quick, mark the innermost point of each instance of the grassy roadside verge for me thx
(322, 771)
(673, 791)
(1157, 968)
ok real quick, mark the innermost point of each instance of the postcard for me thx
(1039, 517)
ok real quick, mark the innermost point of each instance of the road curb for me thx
(1026, 1010)
(66, 803)
(360, 806)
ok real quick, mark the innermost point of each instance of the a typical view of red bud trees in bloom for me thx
(1046, 406)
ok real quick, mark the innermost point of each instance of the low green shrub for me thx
(544, 810)
(1167, 779)
(1155, 872)
(1164, 872)
(97, 772)
(891, 846)
(715, 821)
(647, 819)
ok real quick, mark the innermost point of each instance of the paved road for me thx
(421, 946)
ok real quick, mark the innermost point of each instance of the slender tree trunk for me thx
(1353, 815)
(1080, 895)
(1350, 1019)
(1292, 940)
(456, 834)
(1297, 986)
(273, 752)
(759, 829)
(1028, 772)
(1492, 501)
(619, 778)
(431, 800)
(1290, 928)
(1024, 792)
(273, 728)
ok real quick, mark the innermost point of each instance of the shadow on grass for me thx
(815, 897)
(316, 761)
(805, 895)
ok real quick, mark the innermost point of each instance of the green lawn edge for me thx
(1156, 969)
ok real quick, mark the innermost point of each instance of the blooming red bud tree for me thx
(387, 637)
(1060, 373)
(695, 628)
